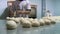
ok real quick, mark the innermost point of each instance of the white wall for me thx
(50, 5)
(57, 7)
(3, 5)
(53, 6)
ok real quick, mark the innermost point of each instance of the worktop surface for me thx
(50, 29)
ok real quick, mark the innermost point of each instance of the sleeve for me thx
(20, 5)
(28, 5)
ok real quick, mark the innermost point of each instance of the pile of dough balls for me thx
(12, 22)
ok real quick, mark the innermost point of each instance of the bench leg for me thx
(20, 15)
(27, 16)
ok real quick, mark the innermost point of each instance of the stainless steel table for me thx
(51, 29)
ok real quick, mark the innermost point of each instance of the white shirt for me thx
(48, 14)
(25, 4)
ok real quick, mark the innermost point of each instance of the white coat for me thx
(48, 14)
(25, 4)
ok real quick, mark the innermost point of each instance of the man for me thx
(48, 13)
(25, 6)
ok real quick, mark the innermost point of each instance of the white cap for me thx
(9, 4)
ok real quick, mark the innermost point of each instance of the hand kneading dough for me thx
(7, 17)
(10, 18)
(21, 20)
(17, 20)
(11, 25)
